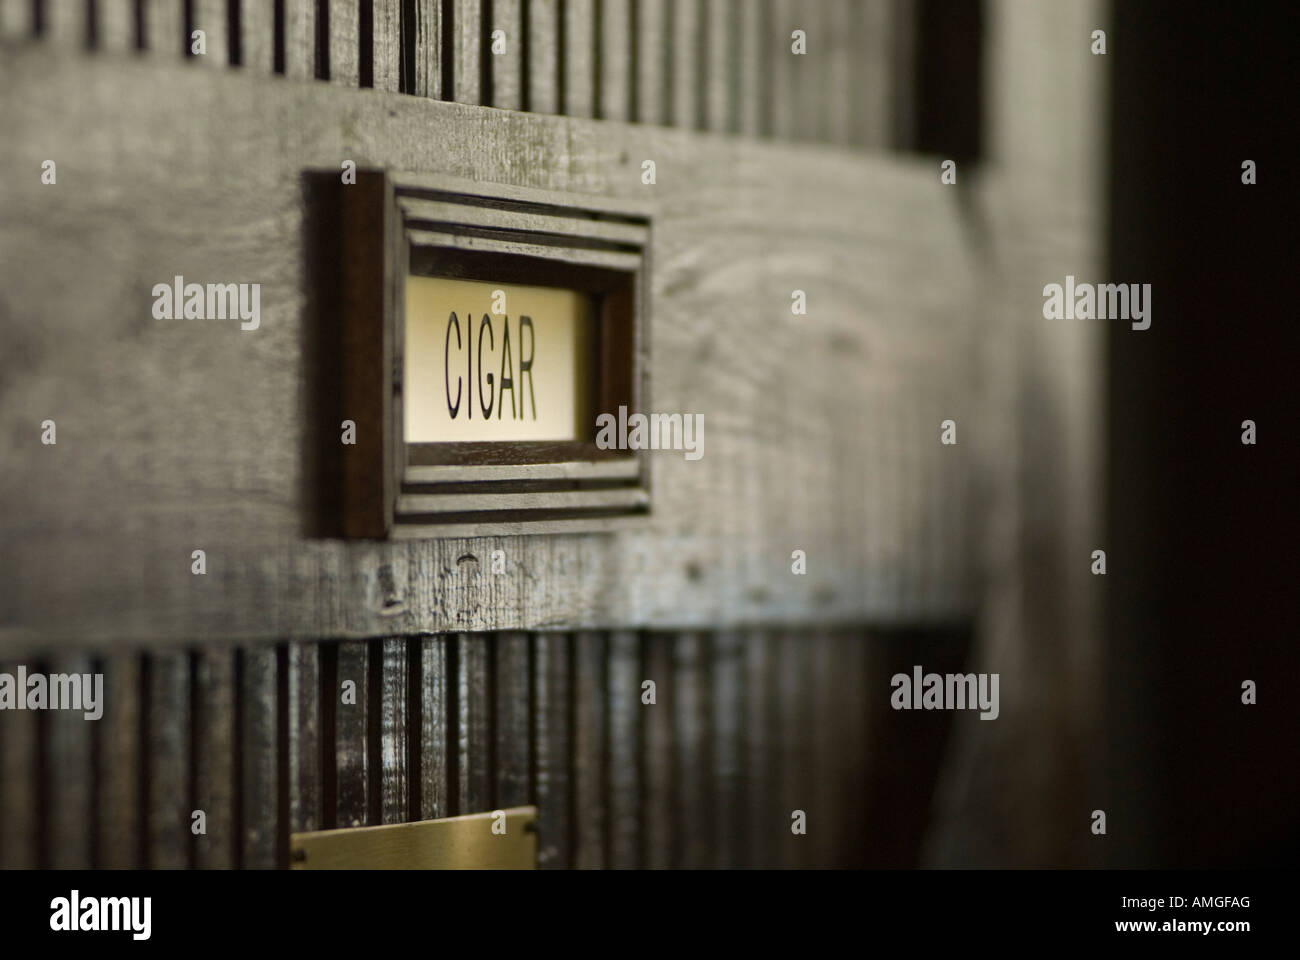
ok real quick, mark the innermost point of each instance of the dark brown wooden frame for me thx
(461, 230)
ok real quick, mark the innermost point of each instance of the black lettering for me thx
(446, 365)
(485, 324)
(526, 366)
(507, 382)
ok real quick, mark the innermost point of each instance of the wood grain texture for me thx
(65, 23)
(435, 726)
(16, 19)
(513, 753)
(763, 813)
(115, 26)
(306, 783)
(466, 52)
(551, 739)
(720, 66)
(684, 36)
(344, 43)
(351, 759)
(473, 725)
(257, 35)
(386, 45)
(625, 711)
(508, 67)
(19, 787)
(215, 722)
(164, 29)
(259, 799)
(212, 17)
(578, 60)
(725, 706)
(66, 791)
(692, 767)
(168, 760)
(300, 39)
(118, 809)
(543, 91)
(427, 68)
(394, 733)
(614, 53)
(652, 61)
(784, 72)
(753, 77)
(590, 737)
(880, 71)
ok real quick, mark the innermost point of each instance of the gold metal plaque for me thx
(480, 841)
(493, 362)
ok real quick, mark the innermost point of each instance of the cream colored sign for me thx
(491, 361)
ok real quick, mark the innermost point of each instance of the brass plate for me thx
(455, 843)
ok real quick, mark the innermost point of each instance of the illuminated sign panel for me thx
(496, 362)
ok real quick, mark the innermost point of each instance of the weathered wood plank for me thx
(259, 779)
(66, 792)
(657, 804)
(579, 58)
(552, 785)
(427, 68)
(215, 777)
(543, 90)
(473, 726)
(65, 23)
(726, 706)
(351, 761)
(652, 63)
(19, 787)
(257, 36)
(764, 818)
(794, 737)
(386, 45)
(16, 19)
(115, 25)
(615, 60)
(508, 66)
(306, 778)
(467, 52)
(212, 17)
(435, 722)
(625, 713)
(720, 66)
(880, 70)
(118, 809)
(300, 39)
(513, 753)
(590, 808)
(167, 760)
(344, 43)
(785, 19)
(393, 733)
(685, 32)
(692, 774)
(164, 29)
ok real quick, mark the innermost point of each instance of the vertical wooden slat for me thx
(344, 42)
(467, 42)
(214, 758)
(685, 104)
(118, 810)
(783, 62)
(164, 29)
(512, 742)
(810, 73)
(764, 817)
(753, 67)
(115, 25)
(212, 17)
(579, 64)
(881, 72)
(691, 752)
(257, 35)
(551, 786)
(65, 22)
(434, 725)
(393, 746)
(625, 711)
(651, 61)
(589, 811)
(615, 60)
(168, 760)
(259, 798)
(18, 784)
(839, 97)
(726, 706)
(657, 762)
(16, 20)
(68, 770)
(427, 68)
(719, 63)
(827, 748)
(473, 771)
(850, 692)
(350, 760)
(300, 39)
(306, 787)
(386, 46)
(543, 56)
(507, 67)
(798, 792)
